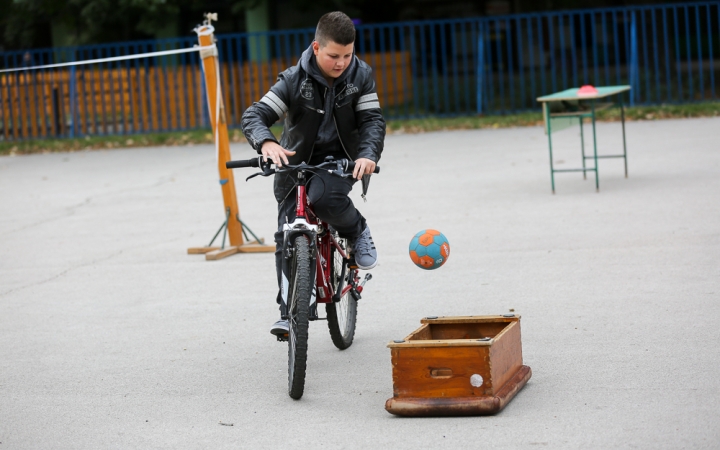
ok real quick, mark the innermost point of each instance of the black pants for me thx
(328, 195)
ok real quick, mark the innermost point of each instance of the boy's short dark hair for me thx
(336, 27)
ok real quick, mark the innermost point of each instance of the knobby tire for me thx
(301, 286)
(342, 315)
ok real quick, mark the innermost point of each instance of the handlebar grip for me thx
(351, 167)
(237, 164)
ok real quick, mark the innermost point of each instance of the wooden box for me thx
(457, 366)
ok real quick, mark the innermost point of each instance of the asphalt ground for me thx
(111, 336)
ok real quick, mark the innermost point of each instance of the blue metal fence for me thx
(485, 65)
(666, 53)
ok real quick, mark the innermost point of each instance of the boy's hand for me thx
(363, 166)
(275, 152)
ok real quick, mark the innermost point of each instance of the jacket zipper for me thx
(312, 149)
(320, 111)
(337, 130)
(340, 138)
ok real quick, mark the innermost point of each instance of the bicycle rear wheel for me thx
(301, 285)
(341, 315)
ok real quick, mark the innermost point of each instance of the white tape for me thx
(208, 52)
(115, 58)
(205, 30)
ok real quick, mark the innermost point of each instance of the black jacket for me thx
(299, 97)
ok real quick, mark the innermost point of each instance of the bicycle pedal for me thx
(282, 338)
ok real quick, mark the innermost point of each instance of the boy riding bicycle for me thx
(330, 108)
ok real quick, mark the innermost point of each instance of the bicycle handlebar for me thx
(255, 162)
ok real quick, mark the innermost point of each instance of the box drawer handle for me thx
(443, 372)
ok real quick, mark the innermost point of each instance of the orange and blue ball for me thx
(429, 249)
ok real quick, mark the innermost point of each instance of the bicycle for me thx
(320, 270)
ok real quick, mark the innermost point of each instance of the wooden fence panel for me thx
(124, 99)
(34, 102)
(171, 98)
(22, 93)
(14, 98)
(143, 99)
(393, 77)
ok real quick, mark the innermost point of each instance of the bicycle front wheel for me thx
(341, 315)
(298, 315)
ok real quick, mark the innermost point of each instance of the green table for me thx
(570, 107)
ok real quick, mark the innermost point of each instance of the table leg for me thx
(582, 147)
(597, 176)
(622, 119)
(549, 133)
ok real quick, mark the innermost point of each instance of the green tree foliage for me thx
(42, 23)
(37, 23)
(84, 21)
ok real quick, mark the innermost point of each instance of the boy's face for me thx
(333, 58)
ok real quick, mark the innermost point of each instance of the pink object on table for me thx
(587, 90)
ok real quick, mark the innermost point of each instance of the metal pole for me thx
(480, 66)
(582, 146)
(546, 105)
(597, 179)
(622, 119)
(218, 120)
(634, 75)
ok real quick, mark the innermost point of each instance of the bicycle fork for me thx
(292, 231)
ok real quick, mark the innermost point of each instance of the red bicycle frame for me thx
(324, 244)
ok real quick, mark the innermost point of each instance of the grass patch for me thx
(464, 123)
(707, 109)
(681, 111)
(105, 142)
(174, 138)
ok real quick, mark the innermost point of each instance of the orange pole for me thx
(218, 119)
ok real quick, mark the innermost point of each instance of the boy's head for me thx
(336, 27)
(333, 46)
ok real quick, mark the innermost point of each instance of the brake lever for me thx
(266, 172)
(340, 171)
(254, 175)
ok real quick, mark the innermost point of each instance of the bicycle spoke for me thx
(342, 314)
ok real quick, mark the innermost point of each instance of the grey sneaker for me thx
(280, 328)
(364, 250)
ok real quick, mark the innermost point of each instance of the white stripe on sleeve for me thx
(367, 105)
(367, 98)
(272, 104)
(277, 101)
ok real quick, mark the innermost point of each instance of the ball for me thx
(429, 249)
